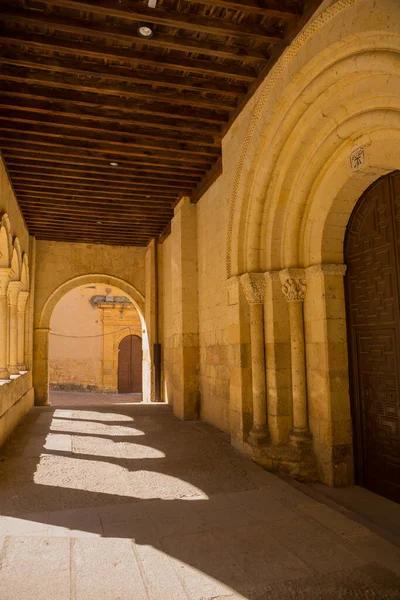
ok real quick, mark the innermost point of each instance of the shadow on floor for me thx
(200, 520)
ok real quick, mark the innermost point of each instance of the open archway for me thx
(42, 331)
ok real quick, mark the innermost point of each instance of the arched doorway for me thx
(372, 255)
(130, 365)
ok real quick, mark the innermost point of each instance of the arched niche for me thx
(334, 89)
(42, 330)
(16, 260)
(5, 242)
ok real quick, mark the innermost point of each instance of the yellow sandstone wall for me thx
(80, 355)
(283, 201)
(17, 396)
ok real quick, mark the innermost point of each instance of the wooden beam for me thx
(122, 74)
(128, 34)
(55, 106)
(100, 214)
(180, 20)
(92, 101)
(42, 180)
(51, 151)
(19, 156)
(265, 8)
(109, 144)
(20, 115)
(99, 87)
(155, 199)
(115, 175)
(155, 61)
(134, 243)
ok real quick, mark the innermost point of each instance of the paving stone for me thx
(106, 569)
(33, 568)
(371, 582)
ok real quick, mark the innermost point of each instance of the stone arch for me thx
(25, 273)
(310, 115)
(16, 261)
(5, 242)
(42, 329)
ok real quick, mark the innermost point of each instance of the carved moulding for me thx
(328, 269)
(254, 287)
(293, 284)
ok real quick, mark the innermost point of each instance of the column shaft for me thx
(13, 337)
(299, 389)
(259, 430)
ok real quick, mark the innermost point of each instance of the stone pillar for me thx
(21, 309)
(185, 312)
(240, 393)
(327, 373)
(41, 365)
(254, 288)
(5, 275)
(12, 300)
(294, 290)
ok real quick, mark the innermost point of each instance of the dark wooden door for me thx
(372, 250)
(130, 365)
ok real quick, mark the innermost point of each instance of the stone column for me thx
(254, 285)
(12, 300)
(294, 291)
(21, 308)
(41, 365)
(5, 275)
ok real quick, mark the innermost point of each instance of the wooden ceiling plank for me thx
(132, 107)
(155, 198)
(99, 87)
(265, 8)
(123, 33)
(47, 180)
(193, 65)
(121, 74)
(21, 115)
(68, 108)
(18, 168)
(51, 152)
(114, 151)
(180, 20)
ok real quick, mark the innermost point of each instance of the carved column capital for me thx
(327, 269)
(5, 274)
(293, 284)
(254, 287)
(22, 300)
(13, 290)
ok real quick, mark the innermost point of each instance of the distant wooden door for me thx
(372, 255)
(130, 365)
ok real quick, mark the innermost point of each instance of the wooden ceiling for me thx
(79, 90)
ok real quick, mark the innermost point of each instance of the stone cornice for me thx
(254, 287)
(293, 284)
(327, 269)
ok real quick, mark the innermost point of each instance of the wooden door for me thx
(372, 296)
(130, 365)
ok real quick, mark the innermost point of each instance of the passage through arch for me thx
(372, 254)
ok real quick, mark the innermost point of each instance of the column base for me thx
(4, 374)
(259, 436)
(21, 367)
(300, 438)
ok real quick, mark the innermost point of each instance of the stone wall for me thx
(16, 301)
(279, 210)
(62, 267)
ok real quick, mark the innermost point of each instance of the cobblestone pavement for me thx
(125, 502)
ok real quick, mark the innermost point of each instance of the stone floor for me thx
(79, 399)
(125, 502)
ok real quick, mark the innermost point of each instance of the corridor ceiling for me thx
(102, 130)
